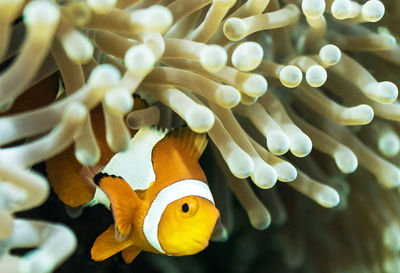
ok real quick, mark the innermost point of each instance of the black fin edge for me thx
(98, 177)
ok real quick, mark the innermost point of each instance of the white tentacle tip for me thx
(389, 144)
(264, 176)
(41, 13)
(328, 197)
(313, 8)
(240, 163)
(227, 96)
(301, 145)
(316, 76)
(156, 18)
(260, 219)
(118, 101)
(247, 56)
(161, 17)
(388, 92)
(213, 58)
(341, 9)
(87, 158)
(78, 47)
(391, 178)
(359, 115)
(277, 142)
(104, 76)
(200, 119)
(235, 29)
(290, 76)
(286, 172)
(255, 86)
(346, 161)
(140, 59)
(330, 54)
(391, 236)
(384, 92)
(388, 40)
(373, 11)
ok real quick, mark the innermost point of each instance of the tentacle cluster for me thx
(282, 88)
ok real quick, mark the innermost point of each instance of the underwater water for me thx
(298, 100)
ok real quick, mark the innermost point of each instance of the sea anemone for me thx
(267, 80)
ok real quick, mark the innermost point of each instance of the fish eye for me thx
(185, 207)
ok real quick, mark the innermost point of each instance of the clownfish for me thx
(158, 194)
(156, 189)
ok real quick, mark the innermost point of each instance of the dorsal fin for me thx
(190, 142)
(123, 199)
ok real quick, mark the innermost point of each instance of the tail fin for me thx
(63, 171)
(71, 183)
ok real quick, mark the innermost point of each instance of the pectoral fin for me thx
(123, 201)
(105, 245)
(130, 253)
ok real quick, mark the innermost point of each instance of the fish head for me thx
(186, 225)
